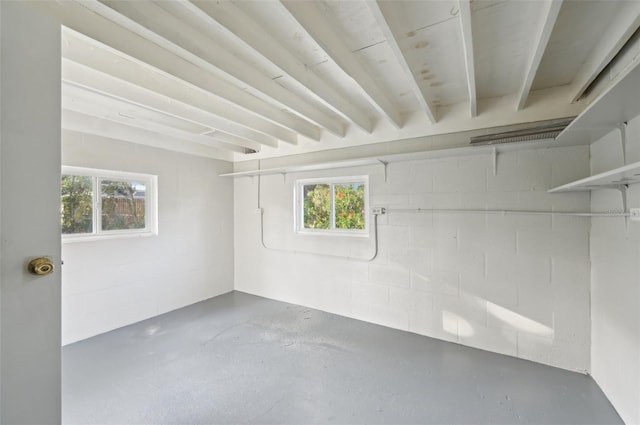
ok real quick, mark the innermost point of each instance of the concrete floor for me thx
(242, 359)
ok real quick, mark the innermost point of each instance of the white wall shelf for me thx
(611, 110)
(615, 106)
(385, 159)
(307, 167)
(622, 176)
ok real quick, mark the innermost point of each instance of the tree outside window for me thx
(77, 204)
(95, 202)
(335, 205)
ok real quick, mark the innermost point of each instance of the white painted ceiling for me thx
(219, 78)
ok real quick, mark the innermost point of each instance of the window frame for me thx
(331, 181)
(99, 175)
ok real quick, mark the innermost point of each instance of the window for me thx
(100, 203)
(336, 205)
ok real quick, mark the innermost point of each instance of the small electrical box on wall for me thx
(634, 214)
(377, 210)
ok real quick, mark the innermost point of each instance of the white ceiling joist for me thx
(627, 22)
(83, 101)
(83, 123)
(426, 106)
(549, 17)
(240, 26)
(312, 20)
(187, 42)
(85, 20)
(89, 109)
(256, 75)
(81, 50)
(231, 139)
(80, 75)
(467, 47)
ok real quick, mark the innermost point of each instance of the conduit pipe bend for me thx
(265, 246)
(422, 210)
(342, 257)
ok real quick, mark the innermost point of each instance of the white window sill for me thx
(102, 237)
(334, 233)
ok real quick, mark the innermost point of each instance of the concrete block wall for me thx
(107, 284)
(512, 284)
(615, 281)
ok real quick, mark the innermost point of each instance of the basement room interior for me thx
(320, 212)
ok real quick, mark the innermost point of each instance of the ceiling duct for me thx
(543, 130)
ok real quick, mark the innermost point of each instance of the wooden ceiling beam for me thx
(549, 18)
(467, 47)
(83, 123)
(86, 53)
(240, 26)
(320, 30)
(184, 40)
(82, 76)
(105, 25)
(84, 101)
(425, 104)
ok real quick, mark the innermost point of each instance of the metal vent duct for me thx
(540, 131)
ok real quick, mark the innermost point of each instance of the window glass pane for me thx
(349, 209)
(123, 204)
(317, 206)
(77, 204)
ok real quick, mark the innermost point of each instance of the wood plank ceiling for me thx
(224, 79)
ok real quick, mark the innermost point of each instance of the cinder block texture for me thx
(108, 284)
(499, 282)
(615, 283)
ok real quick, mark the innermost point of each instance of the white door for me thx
(29, 215)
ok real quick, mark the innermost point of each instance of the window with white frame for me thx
(102, 203)
(333, 205)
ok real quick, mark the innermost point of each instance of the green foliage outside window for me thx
(123, 204)
(349, 206)
(77, 204)
(317, 206)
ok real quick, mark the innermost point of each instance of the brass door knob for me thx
(41, 266)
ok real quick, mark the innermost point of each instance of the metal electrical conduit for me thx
(420, 210)
(507, 212)
(342, 257)
(423, 210)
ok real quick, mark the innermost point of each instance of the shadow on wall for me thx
(456, 325)
(516, 285)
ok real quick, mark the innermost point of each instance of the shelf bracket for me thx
(384, 164)
(622, 128)
(622, 188)
(623, 193)
(494, 154)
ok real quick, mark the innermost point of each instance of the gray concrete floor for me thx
(242, 359)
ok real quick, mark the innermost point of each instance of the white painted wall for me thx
(30, 222)
(517, 285)
(615, 282)
(111, 283)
